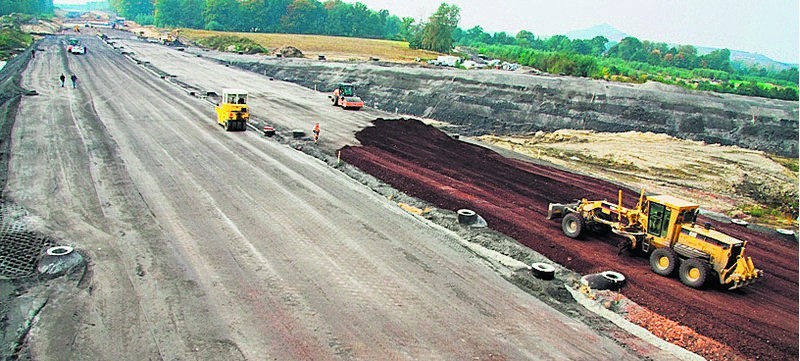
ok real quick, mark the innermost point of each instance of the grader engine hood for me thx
(739, 270)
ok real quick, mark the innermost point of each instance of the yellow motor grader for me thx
(665, 228)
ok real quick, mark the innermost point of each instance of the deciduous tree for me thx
(437, 34)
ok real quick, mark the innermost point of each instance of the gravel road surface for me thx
(206, 244)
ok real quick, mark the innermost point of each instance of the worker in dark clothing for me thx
(33, 53)
(316, 132)
(63, 79)
(74, 79)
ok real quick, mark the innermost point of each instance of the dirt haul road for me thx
(760, 321)
(216, 245)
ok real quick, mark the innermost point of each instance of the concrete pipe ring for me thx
(738, 221)
(543, 270)
(298, 133)
(615, 278)
(59, 251)
(466, 216)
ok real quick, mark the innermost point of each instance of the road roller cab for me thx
(233, 113)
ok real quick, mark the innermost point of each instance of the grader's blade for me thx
(555, 210)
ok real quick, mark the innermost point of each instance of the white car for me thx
(77, 49)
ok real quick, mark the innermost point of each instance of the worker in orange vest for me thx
(316, 132)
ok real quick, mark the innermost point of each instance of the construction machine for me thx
(232, 110)
(171, 38)
(664, 227)
(345, 96)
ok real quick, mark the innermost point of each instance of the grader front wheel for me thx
(693, 272)
(572, 225)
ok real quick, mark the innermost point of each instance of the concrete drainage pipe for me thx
(616, 278)
(59, 251)
(738, 221)
(466, 216)
(543, 270)
(608, 280)
(59, 260)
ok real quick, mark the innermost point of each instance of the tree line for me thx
(634, 60)
(330, 17)
(32, 7)
(629, 60)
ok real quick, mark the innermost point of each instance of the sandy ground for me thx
(710, 175)
(205, 244)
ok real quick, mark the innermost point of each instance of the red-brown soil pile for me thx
(760, 322)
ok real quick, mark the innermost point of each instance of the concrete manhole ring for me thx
(59, 251)
(466, 216)
(738, 221)
(543, 270)
(607, 280)
(614, 277)
(784, 231)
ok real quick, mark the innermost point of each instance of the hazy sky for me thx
(768, 27)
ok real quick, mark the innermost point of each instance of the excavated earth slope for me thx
(503, 103)
(759, 321)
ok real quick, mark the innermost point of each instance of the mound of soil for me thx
(290, 52)
(760, 321)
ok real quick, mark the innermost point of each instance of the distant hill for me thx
(614, 36)
(749, 59)
(611, 33)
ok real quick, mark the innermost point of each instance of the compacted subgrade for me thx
(759, 321)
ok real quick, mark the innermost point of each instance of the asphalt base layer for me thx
(758, 322)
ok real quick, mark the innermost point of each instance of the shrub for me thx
(224, 43)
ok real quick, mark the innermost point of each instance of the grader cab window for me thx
(658, 219)
(687, 216)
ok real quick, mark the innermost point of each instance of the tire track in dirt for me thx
(759, 321)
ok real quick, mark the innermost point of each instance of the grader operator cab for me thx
(664, 227)
(345, 96)
(232, 110)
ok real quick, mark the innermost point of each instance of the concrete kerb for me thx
(636, 330)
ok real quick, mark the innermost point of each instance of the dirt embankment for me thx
(505, 103)
(760, 321)
(10, 94)
(724, 179)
